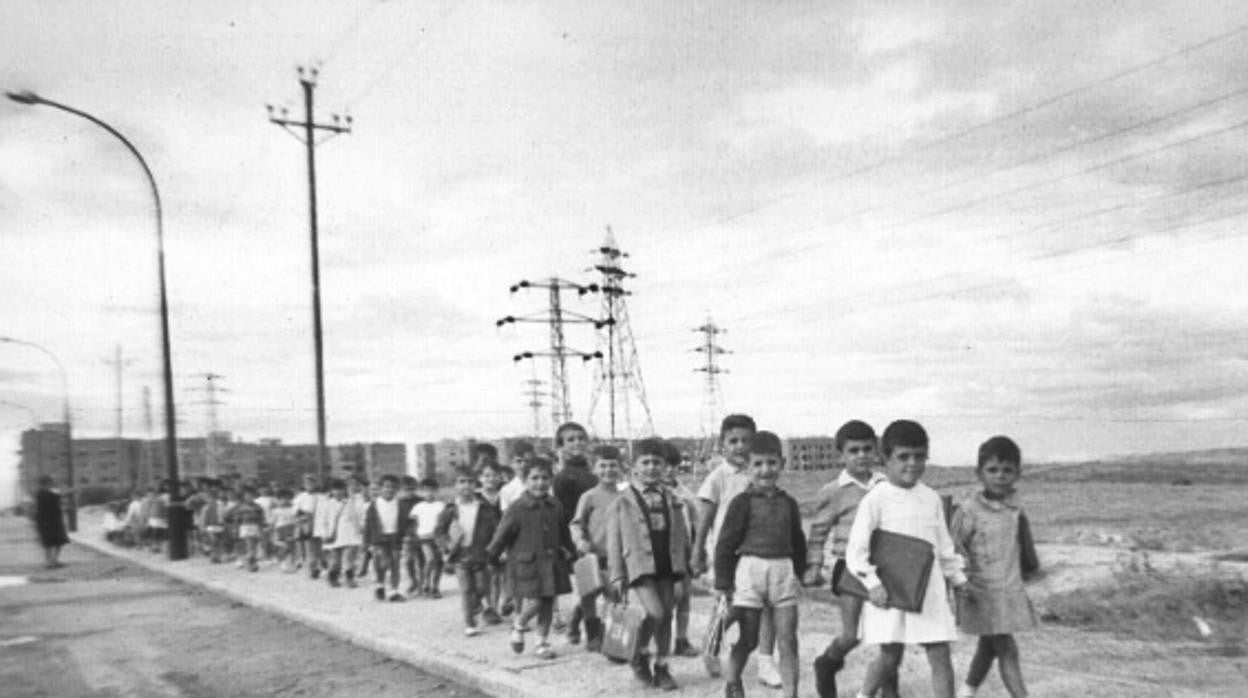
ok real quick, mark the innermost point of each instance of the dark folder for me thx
(903, 564)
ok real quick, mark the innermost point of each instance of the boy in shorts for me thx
(760, 557)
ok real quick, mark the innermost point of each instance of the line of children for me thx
(650, 537)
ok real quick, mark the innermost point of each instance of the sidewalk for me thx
(429, 634)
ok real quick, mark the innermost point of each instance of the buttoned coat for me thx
(538, 547)
(630, 554)
(468, 552)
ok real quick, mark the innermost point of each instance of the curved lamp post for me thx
(71, 515)
(177, 518)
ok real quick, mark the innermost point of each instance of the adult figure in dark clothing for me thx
(50, 522)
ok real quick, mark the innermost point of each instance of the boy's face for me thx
(734, 443)
(858, 457)
(765, 469)
(339, 493)
(648, 469)
(669, 472)
(999, 477)
(284, 501)
(608, 470)
(409, 491)
(537, 482)
(427, 493)
(355, 487)
(465, 487)
(905, 465)
(388, 489)
(491, 479)
(573, 442)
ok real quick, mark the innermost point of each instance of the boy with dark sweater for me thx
(760, 557)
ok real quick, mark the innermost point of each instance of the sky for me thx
(1018, 218)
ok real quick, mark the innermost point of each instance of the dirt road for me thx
(103, 627)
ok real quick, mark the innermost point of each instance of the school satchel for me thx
(586, 575)
(621, 631)
(903, 564)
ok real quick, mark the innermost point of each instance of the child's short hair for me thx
(285, 493)
(337, 484)
(765, 442)
(484, 449)
(652, 446)
(605, 452)
(463, 472)
(428, 483)
(507, 471)
(521, 449)
(736, 421)
(1003, 449)
(854, 430)
(905, 433)
(672, 454)
(538, 463)
(389, 479)
(247, 491)
(491, 465)
(566, 427)
(409, 482)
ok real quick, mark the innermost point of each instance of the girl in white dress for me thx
(905, 505)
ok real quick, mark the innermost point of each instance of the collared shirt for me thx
(510, 493)
(656, 507)
(720, 486)
(835, 507)
(468, 518)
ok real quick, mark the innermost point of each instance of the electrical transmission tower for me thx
(309, 128)
(713, 402)
(533, 391)
(619, 378)
(118, 364)
(210, 402)
(556, 317)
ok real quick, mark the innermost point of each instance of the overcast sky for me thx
(993, 217)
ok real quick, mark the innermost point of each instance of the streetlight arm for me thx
(59, 366)
(27, 97)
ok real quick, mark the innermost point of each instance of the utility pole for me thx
(556, 317)
(145, 468)
(118, 365)
(620, 378)
(340, 125)
(711, 352)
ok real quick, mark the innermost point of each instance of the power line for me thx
(956, 136)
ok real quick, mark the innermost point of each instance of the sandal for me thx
(517, 639)
(544, 651)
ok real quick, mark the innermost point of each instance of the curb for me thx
(481, 677)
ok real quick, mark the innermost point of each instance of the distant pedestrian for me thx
(384, 528)
(50, 522)
(413, 555)
(246, 519)
(990, 529)
(680, 622)
(589, 531)
(308, 550)
(538, 552)
(344, 543)
(490, 475)
(572, 479)
(424, 522)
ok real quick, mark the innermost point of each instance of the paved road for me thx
(105, 627)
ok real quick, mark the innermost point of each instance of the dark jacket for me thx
(574, 480)
(468, 552)
(762, 525)
(372, 522)
(538, 547)
(49, 519)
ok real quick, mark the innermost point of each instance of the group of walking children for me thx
(513, 544)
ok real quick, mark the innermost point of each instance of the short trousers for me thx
(249, 530)
(762, 582)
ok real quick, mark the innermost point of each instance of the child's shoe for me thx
(517, 639)
(491, 617)
(966, 691)
(544, 650)
(734, 689)
(240, 563)
(641, 669)
(379, 593)
(663, 678)
(332, 578)
(684, 649)
(396, 597)
(768, 675)
(253, 567)
(351, 579)
(509, 607)
(471, 631)
(435, 594)
(574, 633)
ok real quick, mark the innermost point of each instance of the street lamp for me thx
(177, 516)
(71, 516)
